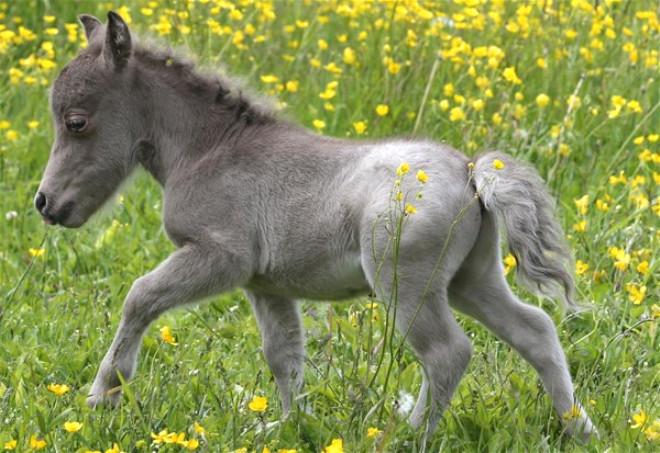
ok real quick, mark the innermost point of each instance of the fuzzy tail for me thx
(515, 192)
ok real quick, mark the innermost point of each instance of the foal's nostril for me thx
(40, 202)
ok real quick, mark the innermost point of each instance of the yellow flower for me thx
(393, 67)
(620, 179)
(373, 432)
(573, 413)
(643, 267)
(636, 293)
(115, 449)
(652, 433)
(602, 206)
(199, 429)
(478, 105)
(581, 226)
(382, 109)
(11, 135)
(72, 427)
(542, 100)
(511, 76)
(541, 63)
(581, 267)
(634, 106)
(36, 443)
(33, 124)
(333, 68)
(360, 127)
(456, 114)
(410, 209)
(498, 164)
(422, 176)
(319, 124)
(336, 446)
(622, 259)
(292, 86)
(328, 94)
(258, 404)
(639, 419)
(190, 444)
(509, 263)
(403, 169)
(166, 336)
(58, 389)
(655, 311)
(448, 89)
(323, 44)
(269, 78)
(160, 437)
(36, 252)
(349, 56)
(497, 119)
(11, 445)
(582, 204)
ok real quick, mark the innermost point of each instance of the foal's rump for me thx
(443, 214)
(433, 196)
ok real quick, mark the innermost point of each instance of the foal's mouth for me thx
(59, 217)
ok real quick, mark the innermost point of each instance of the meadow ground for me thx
(570, 87)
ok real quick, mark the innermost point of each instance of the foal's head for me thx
(96, 122)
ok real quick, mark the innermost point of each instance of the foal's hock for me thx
(256, 202)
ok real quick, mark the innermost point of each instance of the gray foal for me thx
(257, 202)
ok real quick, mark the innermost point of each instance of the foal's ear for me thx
(90, 24)
(117, 47)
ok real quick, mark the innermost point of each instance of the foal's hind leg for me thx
(481, 291)
(283, 343)
(441, 346)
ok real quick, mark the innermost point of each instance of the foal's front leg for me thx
(282, 342)
(189, 274)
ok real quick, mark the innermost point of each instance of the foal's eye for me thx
(75, 122)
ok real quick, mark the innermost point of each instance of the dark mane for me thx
(228, 94)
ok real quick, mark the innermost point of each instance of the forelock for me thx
(79, 79)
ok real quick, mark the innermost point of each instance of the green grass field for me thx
(571, 88)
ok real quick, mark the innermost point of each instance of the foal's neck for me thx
(190, 115)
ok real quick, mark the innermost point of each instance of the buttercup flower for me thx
(258, 404)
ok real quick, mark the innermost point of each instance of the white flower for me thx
(406, 403)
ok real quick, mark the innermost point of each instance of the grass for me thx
(61, 291)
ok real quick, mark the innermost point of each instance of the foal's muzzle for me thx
(45, 207)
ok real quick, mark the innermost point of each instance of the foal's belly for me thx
(328, 279)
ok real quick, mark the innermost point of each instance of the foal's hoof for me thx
(581, 429)
(108, 399)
